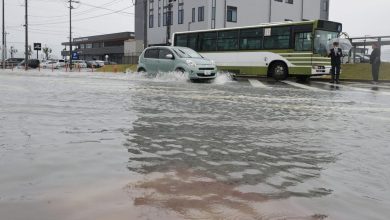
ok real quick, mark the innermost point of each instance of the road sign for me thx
(37, 46)
(75, 56)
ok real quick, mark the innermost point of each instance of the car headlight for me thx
(212, 62)
(191, 63)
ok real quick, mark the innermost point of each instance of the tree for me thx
(13, 51)
(47, 51)
(29, 52)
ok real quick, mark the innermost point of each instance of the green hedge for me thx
(362, 71)
(120, 68)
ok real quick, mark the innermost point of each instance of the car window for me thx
(151, 53)
(187, 53)
(163, 53)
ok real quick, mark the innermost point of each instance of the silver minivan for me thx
(162, 59)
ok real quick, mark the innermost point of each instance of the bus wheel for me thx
(279, 71)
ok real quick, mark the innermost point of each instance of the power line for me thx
(83, 19)
(80, 12)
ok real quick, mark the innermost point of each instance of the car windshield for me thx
(321, 40)
(187, 53)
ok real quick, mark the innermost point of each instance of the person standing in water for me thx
(335, 54)
(375, 61)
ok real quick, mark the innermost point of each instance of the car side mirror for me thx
(169, 56)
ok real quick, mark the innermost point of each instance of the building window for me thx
(231, 14)
(180, 13)
(278, 0)
(159, 13)
(151, 13)
(88, 46)
(325, 5)
(213, 13)
(167, 16)
(96, 45)
(201, 13)
(193, 14)
(290, 1)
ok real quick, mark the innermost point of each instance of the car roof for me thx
(167, 47)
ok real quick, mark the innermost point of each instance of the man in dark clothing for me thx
(375, 60)
(335, 54)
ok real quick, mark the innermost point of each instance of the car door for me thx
(151, 60)
(166, 60)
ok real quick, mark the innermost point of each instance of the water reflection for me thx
(203, 153)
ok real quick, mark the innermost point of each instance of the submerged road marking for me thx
(257, 84)
(298, 85)
(356, 89)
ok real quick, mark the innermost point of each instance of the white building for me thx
(212, 14)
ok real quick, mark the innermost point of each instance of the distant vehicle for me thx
(79, 63)
(180, 59)
(110, 63)
(91, 64)
(32, 63)
(360, 58)
(61, 63)
(10, 62)
(99, 63)
(50, 64)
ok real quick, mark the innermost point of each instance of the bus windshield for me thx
(187, 53)
(321, 40)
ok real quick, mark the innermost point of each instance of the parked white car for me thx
(61, 63)
(100, 63)
(50, 64)
(79, 63)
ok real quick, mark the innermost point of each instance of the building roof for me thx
(105, 37)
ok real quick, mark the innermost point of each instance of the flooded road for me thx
(101, 146)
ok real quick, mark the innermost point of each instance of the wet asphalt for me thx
(127, 146)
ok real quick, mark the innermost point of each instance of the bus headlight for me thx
(191, 63)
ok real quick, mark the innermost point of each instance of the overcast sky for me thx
(49, 19)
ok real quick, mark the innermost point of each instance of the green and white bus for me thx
(277, 50)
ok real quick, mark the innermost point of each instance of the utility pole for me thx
(26, 43)
(70, 32)
(145, 23)
(3, 43)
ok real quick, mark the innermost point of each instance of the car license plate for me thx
(207, 73)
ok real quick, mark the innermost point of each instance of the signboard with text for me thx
(37, 46)
(75, 56)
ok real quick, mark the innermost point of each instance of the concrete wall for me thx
(249, 12)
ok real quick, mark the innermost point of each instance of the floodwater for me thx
(90, 146)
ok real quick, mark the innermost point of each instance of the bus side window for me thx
(303, 41)
(227, 40)
(193, 41)
(251, 39)
(181, 40)
(208, 41)
(279, 39)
